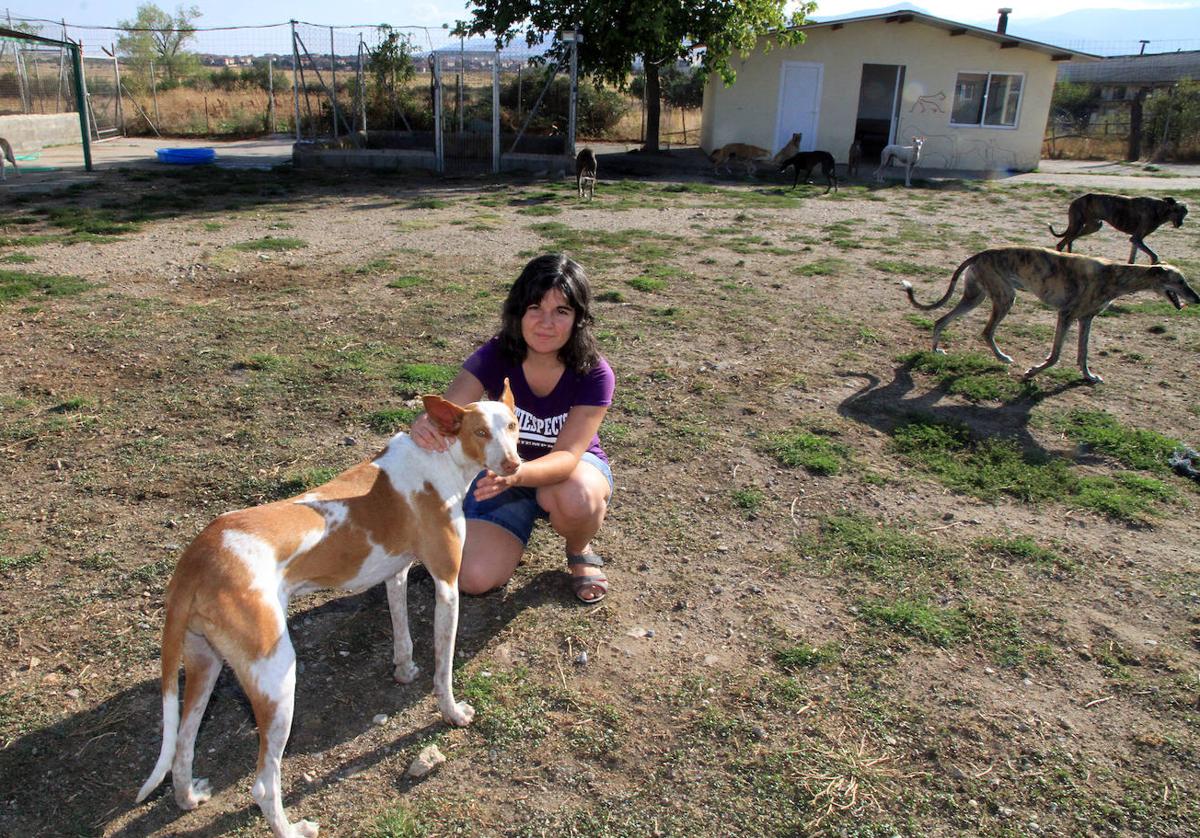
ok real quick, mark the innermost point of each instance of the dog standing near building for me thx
(906, 155)
(585, 173)
(748, 154)
(854, 157)
(809, 160)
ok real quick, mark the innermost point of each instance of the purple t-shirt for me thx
(542, 417)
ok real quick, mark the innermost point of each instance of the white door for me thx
(799, 103)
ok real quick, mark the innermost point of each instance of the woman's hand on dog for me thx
(426, 434)
(492, 484)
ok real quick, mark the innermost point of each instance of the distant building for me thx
(1121, 77)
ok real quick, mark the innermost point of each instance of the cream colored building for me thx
(980, 98)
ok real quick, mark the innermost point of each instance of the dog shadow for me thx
(81, 773)
(884, 407)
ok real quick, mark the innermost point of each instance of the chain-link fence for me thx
(41, 98)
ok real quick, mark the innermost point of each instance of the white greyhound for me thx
(907, 155)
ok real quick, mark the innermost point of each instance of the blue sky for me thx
(436, 12)
(433, 13)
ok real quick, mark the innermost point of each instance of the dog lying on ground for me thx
(808, 160)
(6, 153)
(853, 158)
(585, 173)
(789, 148)
(1079, 287)
(227, 599)
(748, 154)
(1139, 217)
(905, 155)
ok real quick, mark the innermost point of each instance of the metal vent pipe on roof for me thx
(1002, 24)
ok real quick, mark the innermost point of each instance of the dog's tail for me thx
(908, 289)
(174, 628)
(1056, 235)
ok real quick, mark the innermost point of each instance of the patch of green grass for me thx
(610, 297)
(17, 284)
(19, 258)
(22, 561)
(540, 209)
(1099, 431)
(212, 226)
(261, 362)
(70, 405)
(971, 375)
(917, 618)
(821, 267)
(375, 266)
(270, 243)
(648, 284)
(392, 421)
(398, 821)
(803, 448)
(407, 282)
(510, 709)
(851, 543)
(804, 656)
(416, 379)
(1029, 552)
(428, 203)
(82, 220)
(994, 466)
(749, 500)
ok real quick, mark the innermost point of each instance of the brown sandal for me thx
(580, 584)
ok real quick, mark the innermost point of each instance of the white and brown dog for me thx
(228, 597)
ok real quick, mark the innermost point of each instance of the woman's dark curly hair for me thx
(554, 270)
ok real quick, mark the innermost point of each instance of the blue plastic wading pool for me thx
(186, 156)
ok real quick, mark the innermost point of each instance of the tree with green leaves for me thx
(391, 65)
(656, 32)
(158, 37)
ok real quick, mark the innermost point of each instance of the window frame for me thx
(987, 88)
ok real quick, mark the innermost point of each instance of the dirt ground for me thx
(815, 627)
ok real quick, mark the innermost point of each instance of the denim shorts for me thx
(517, 509)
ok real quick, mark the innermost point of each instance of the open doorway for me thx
(878, 107)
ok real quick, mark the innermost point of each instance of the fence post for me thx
(438, 150)
(362, 85)
(270, 95)
(120, 105)
(154, 92)
(333, 85)
(296, 80)
(496, 112)
(82, 102)
(576, 37)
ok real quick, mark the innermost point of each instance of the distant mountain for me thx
(1166, 29)
(1101, 31)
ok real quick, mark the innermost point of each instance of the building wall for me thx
(747, 111)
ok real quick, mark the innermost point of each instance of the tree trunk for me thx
(653, 103)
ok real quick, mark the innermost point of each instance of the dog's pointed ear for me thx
(507, 397)
(1170, 201)
(446, 415)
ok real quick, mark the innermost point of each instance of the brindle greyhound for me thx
(1137, 216)
(1080, 287)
